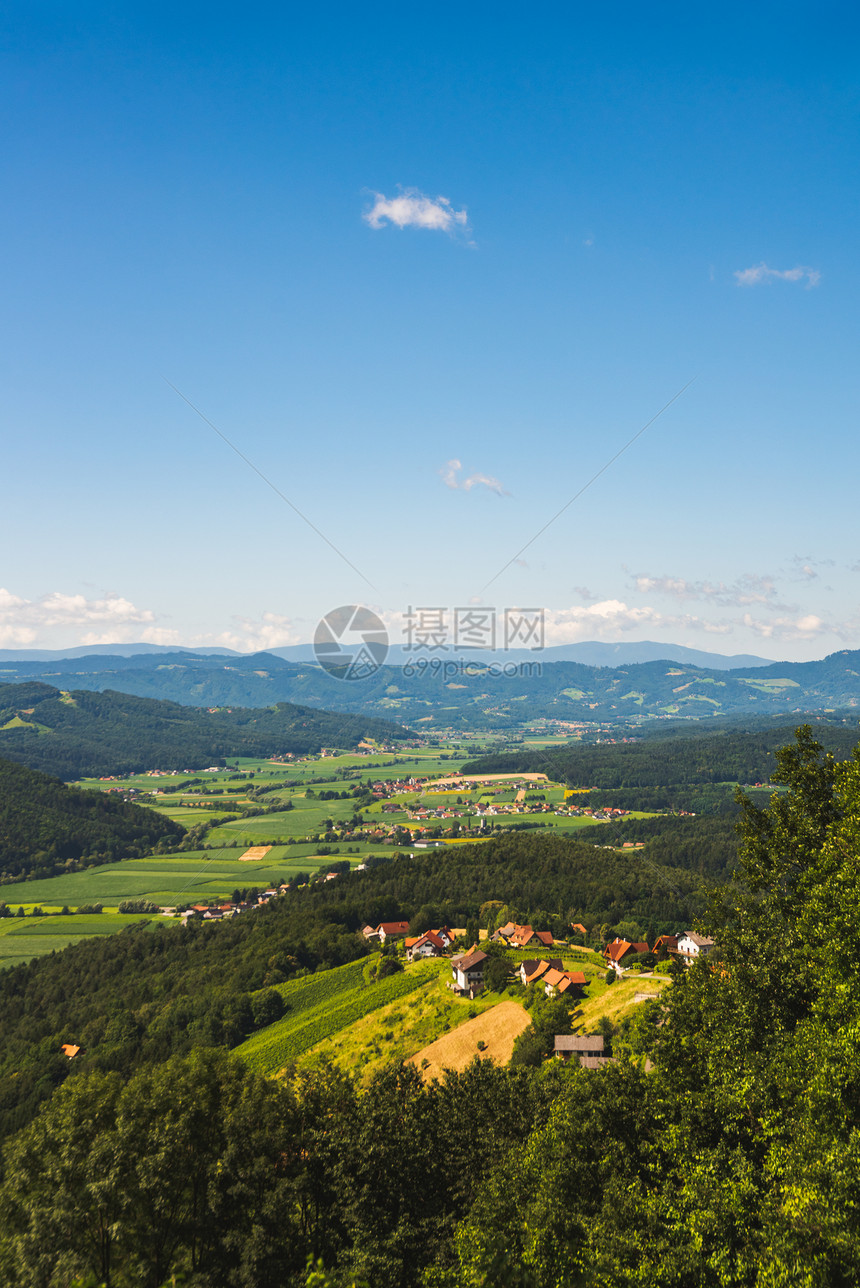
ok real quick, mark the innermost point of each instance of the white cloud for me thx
(807, 627)
(249, 636)
(112, 619)
(761, 273)
(449, 477)
(612, 617)
(412, 209)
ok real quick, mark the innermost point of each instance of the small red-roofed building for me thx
(616, 952)
(392, 930)
(526, 936)
(429, 944)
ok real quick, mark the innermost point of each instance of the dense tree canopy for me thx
(82, 734)
(47, 827)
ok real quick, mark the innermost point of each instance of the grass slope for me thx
(323, 1004)
(617, 1001)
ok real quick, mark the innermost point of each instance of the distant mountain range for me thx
(440, 693)
(588, 653)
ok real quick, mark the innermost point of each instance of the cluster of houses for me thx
(223, 911)
(516, 936)
(620, 953)
(553, 978)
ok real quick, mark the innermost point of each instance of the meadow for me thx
(167, 879)
(23, 938)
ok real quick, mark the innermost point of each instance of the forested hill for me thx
(47, 827)
(476, 695)
(665, 763)
(80, 733)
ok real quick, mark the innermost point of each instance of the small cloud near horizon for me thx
(449, 478)
(760, 273)
(414, 209)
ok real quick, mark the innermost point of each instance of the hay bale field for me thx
(498, 1028)
(255, 852)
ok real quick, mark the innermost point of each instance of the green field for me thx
(167, 879)
(324, 1004)
(23, 938)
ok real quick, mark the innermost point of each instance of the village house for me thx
(666, 946)
(526, 937)
(691, 946)
(388, 930)
(504, 932)
(561, 982)
(430, 944)
(468, 972)
(531, 971)
(616, 952)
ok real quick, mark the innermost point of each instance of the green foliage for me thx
(550, 1018)
(46, 827)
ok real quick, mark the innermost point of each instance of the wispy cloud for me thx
(747, 589)
(413, 209)
(760, 273)
(449, 477)
(808, 626)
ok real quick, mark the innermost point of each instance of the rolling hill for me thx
(47, 827)
(83, 733)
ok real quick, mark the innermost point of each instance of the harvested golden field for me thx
(498, 1028)
(255, 852)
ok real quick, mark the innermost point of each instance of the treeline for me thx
(706, 847)
(665, 763)
(733, 1161)
(84, 734)
(47, 827)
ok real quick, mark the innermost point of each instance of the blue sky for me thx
(369, 242)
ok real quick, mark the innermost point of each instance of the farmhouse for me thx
(531, 971)
(525, 936)
(431, 944)
(564, 981)
(619, 949)
(691, 945)
(387, 930)
(468, 972)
